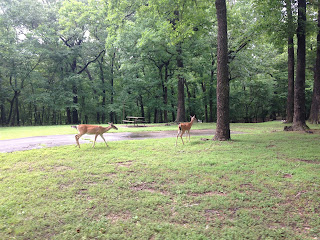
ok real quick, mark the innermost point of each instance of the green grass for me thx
(30, 131)
(262, 185)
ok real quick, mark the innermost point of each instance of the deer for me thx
(185, 127)
(92, 130)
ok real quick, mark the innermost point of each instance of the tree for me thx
(290, 97)
(315, 106)
(299, 117)
(223, 126)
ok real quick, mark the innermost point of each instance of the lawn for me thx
(30, 131)
(260, 185)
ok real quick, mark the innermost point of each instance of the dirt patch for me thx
(148, 187)
(308, 161)
(211, 193)
(114, 218)
(124, 164)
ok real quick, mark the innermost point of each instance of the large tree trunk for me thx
(315, 106)
(299, 122)
(223, 125)
(290, 98)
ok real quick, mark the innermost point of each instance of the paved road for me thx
(22, 144)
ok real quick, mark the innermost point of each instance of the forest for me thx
(94, 61)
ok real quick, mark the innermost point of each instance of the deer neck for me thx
(108, 128)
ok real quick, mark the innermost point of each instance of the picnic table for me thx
(134, 120)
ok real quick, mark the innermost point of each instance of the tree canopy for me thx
(94, 61)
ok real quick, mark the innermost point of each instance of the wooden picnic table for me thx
(134, 120)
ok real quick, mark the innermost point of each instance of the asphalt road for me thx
(22, 144)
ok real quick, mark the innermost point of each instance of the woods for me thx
(94, 61)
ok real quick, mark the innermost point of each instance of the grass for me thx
(262, 185)
(31, 131)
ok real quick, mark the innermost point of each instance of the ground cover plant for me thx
(260, 185)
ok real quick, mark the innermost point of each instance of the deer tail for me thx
(76, 127)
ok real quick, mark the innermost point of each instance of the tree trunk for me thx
(290, 98)
(211, 92)
(69, 120)
(165, 93)
(181, 112)
(223, 125)
(11, 109)
(2, 108)
(189, 96)
(299, 122)
(75, 119)
(205, 97)
(103, 115)
(172, 106)
(141, 106)
(111, 85)
(17, 108)
(3, 115)
(315, 106)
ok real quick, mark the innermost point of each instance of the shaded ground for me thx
(22, 144)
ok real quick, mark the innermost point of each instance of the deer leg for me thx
(187, 136)
(77, 137)
(95, 139)
(104, 139)
(179, 131)
(181, 137)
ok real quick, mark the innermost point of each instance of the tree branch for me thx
(84, 68)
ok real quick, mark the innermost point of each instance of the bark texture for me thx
(223, 125)
(290, 97)
(315, 106)
(299, 118)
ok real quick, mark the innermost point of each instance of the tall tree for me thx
(290, 97)
(315, 106)
(299, 118)
(223, 125)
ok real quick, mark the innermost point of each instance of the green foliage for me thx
(109, 59)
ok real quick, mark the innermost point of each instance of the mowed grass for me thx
(32, 131)
(262, 185)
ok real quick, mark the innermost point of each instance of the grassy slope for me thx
(263, 185)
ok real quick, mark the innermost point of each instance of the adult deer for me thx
(185, 127)
(93, 130)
